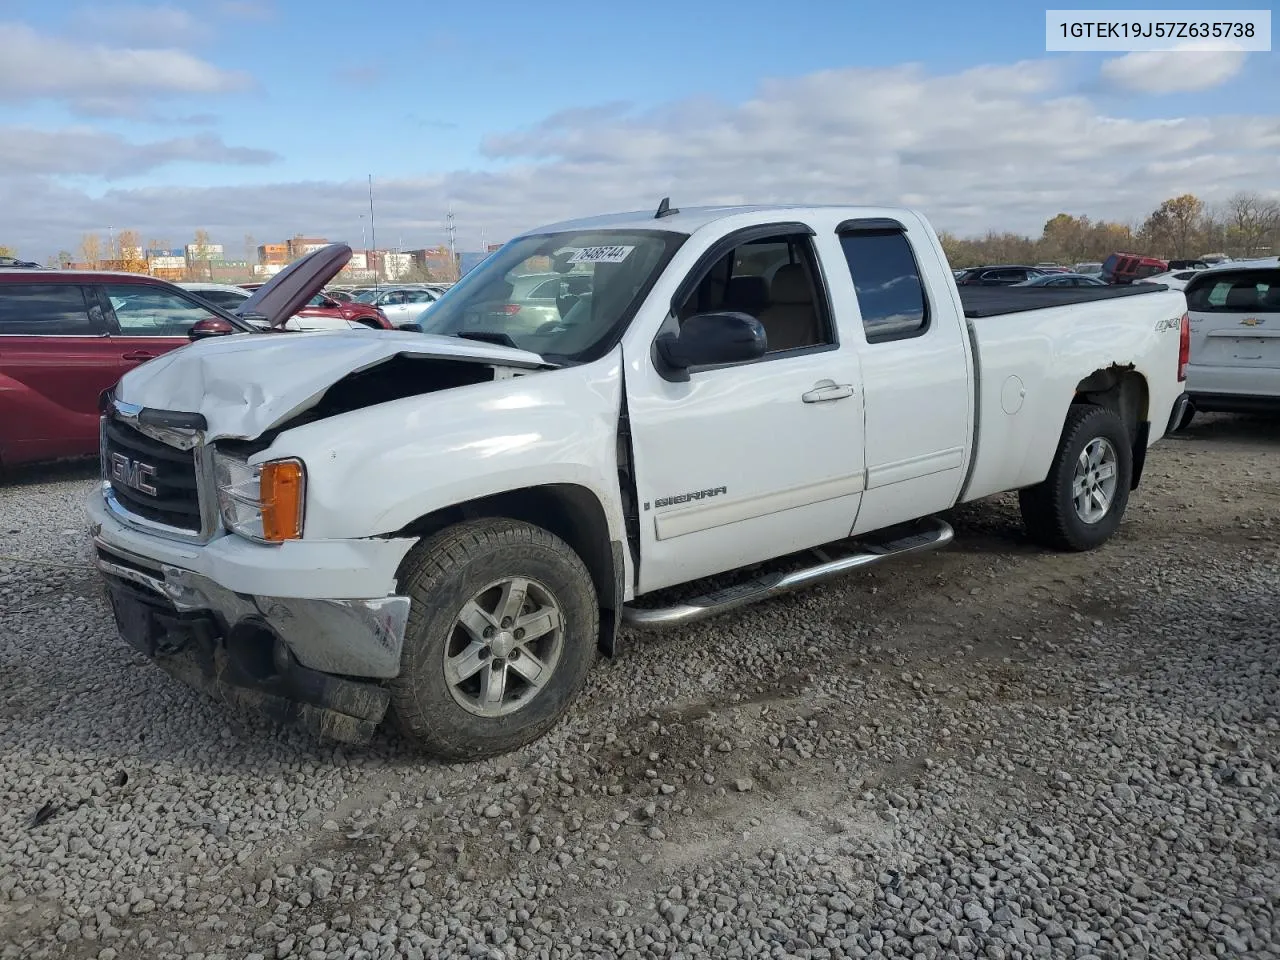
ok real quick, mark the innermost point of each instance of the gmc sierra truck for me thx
(445, 526)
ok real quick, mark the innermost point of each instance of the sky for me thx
(267, 117)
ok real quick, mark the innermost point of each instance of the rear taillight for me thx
(1184, 347)
(510, 309)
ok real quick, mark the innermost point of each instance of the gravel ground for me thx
(990, 751)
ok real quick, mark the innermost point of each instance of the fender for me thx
(374, 470)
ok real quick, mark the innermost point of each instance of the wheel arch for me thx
(571, 512)
(1124, 391)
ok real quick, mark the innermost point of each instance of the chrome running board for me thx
(929, 534)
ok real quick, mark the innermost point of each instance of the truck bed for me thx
(996, 301)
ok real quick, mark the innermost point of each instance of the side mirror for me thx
(708, 339)
(210, 327)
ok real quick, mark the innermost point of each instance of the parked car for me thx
(998, 276)
(1235, 339)
(225, 295)
(1188, 264)
(322, 311)
(1123, 268)
(403, 305)
(1062, 280)
(1089, 267)
(1173, 279)
(682, 420)
(1052, 268)
(68, 335)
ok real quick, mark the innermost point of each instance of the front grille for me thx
(169, 471)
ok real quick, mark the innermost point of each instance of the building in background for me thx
(299, 246)
(439, 263)
(270, 253)
(203, 252)
(391, 265)
(166, 265)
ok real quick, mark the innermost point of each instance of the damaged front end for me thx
(240, 648)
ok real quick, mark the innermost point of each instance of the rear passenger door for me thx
(917, 381)
(55, 359)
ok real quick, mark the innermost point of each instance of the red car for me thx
(66, 336)
(1124, 268)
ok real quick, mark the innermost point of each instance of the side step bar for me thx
(928, 535)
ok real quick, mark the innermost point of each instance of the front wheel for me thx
(502, 632)
(1078, 506)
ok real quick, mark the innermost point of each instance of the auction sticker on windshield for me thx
(601, 255)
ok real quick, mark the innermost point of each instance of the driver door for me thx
(743, 462)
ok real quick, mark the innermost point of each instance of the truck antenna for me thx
(665, 209)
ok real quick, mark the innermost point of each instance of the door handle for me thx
(825, 390)
(139, 355)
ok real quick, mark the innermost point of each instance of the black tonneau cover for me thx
(994, 301)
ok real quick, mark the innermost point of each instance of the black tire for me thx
(440, 576)
(1048, 508)
(1184, 421)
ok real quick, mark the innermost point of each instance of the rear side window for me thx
(44, 309)
(1247, 291)
(887, 281)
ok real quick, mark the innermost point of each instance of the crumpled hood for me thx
(244, 385)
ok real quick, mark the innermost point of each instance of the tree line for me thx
(1183, 227)
(1245, 225)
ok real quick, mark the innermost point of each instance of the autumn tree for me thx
(91, 249)
(7, 251)
(1248, 221)
(1176, 225)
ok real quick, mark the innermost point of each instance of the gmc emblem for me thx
(132, 473)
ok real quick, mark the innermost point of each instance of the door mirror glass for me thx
(708, 339)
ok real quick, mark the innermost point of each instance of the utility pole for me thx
(373, 228)
(452, 230)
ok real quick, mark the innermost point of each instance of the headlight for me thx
(261, 501)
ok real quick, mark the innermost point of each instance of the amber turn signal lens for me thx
(283, 487)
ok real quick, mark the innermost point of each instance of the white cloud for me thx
(85, 151)
(993, 147)
(1174, 71)
(145, 26)
(34, 65)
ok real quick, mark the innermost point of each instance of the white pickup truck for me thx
(447, 525)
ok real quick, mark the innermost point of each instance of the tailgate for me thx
(1235, 318)
(1243, 344)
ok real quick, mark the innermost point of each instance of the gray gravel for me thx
(988, 752)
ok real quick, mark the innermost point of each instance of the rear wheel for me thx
(502, 633)
(1184, 421)
(1078, 506)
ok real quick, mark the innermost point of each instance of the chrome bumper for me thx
(360, 638)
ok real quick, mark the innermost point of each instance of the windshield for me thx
(565, 296)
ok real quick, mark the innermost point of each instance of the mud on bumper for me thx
(238, 657)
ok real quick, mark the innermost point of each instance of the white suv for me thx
(1235, 339)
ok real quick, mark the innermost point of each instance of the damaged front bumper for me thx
(244, 648)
